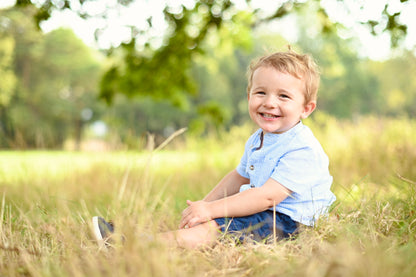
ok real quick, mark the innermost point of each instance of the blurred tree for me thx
(198, 67)
(18, 26)
(397, 85)
(221, 81)
(8, 79)
(57, 77)
(130, 120)
(215, 12)
(68, 82)
(163, 71)
(348, 88)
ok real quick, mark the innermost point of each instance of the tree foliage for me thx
(396, 84)
(164, 72)
(8, 79)
(56, 79)
(192, 78)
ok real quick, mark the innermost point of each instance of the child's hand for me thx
(196, 213)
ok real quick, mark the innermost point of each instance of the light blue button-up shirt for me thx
(297, 161)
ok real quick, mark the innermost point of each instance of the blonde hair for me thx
(301, 66)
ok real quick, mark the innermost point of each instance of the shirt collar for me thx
(270, 138)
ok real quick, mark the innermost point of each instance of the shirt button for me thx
(251, 167)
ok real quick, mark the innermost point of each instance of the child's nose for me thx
(270, 101)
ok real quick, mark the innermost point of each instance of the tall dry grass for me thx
(47, 200)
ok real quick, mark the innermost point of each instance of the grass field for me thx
(47, 200)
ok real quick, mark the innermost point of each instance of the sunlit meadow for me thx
(47, 200)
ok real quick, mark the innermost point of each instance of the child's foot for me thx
(102, 230)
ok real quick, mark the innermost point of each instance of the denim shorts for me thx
(258, 226)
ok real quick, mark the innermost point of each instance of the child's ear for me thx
(308, 109)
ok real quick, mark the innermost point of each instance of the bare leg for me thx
(199, 235)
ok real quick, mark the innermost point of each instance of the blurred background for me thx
(114, 74)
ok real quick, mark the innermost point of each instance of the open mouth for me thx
(267, 115)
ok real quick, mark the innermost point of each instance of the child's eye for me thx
(284, 96)
(260, 93)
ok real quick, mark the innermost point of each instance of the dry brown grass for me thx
(48, 198)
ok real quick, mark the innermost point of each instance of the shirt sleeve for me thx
(241, 168)
(300, 169)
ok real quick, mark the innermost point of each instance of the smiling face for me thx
(276, 100)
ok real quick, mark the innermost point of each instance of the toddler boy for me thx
(282, 181)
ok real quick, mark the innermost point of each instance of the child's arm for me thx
(229, 185)
(248, 202)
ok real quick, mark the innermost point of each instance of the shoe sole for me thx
(96, 228)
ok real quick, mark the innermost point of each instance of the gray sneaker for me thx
(102, 230)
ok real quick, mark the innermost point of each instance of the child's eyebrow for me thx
(259, 88)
